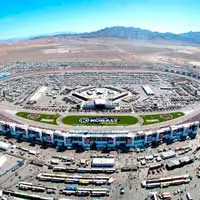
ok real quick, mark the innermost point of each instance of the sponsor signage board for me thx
(99, 120)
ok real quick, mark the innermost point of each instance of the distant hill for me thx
(63, 34)
(136, 34)
(192, 36)
(142, 34)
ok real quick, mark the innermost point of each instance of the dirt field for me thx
(74, 49)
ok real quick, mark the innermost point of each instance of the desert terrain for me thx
(77, 49)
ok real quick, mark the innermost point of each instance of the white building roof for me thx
(101, 161)
(3, 159)
(148, 90)
(168, 154)
(4, 146)
(38, 94)
(100, 101)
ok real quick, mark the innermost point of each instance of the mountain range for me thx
(135, 34)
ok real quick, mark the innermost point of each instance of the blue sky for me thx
(22, 18)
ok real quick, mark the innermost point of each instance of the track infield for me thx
(84, 120)
(158, 118)
(43, 118)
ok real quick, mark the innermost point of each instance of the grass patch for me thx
(158, 118)
(43, 118)
(83, 120)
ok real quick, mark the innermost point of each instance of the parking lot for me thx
(170, 91)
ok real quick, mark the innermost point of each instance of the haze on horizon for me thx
(24, 19)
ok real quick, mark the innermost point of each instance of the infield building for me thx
(99, 104)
